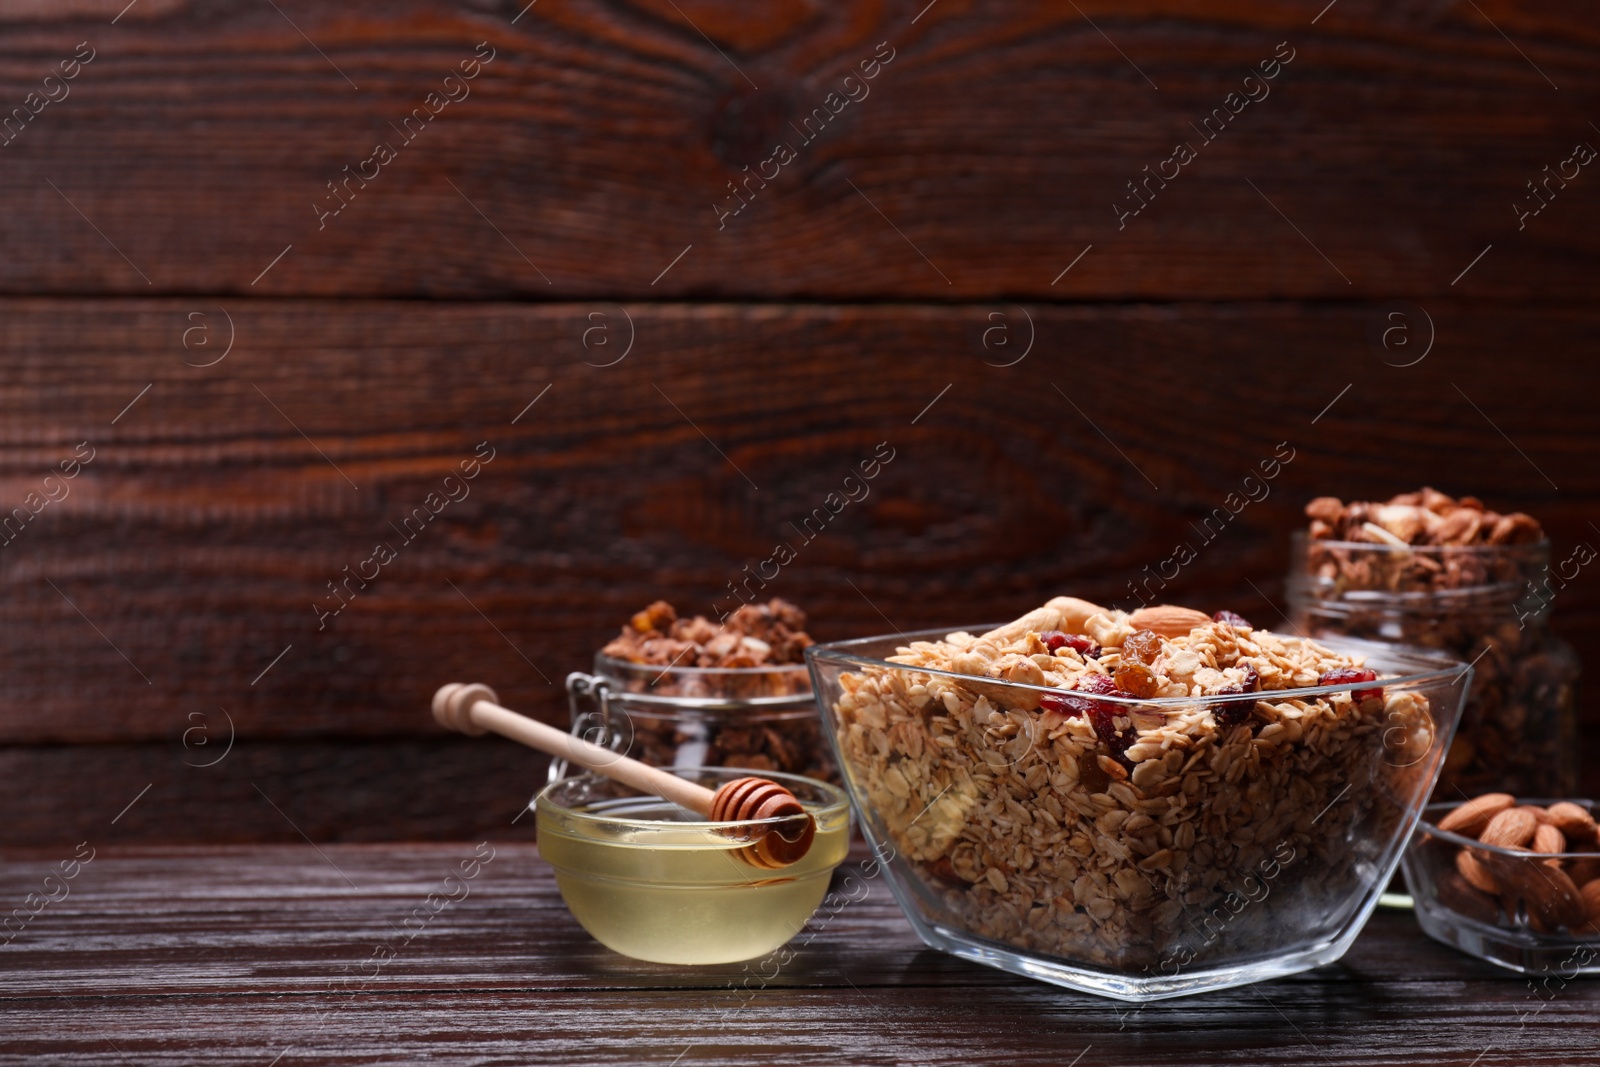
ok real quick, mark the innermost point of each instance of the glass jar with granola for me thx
(1430, 570)
(691, 692)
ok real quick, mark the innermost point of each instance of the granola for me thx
(1425, 518)
(1431, 570)
(1110, 833)
(756, 653)
(756, 635)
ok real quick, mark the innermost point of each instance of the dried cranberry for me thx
(1101, 714)
(1343, 675)
(1234, 712)
(1054, 639)
(1238, 622)
(1098, 684)
(1065, 704)
(1142, 646)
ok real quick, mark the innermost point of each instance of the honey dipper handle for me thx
(475, 709)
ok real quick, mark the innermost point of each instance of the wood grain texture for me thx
(598, 144)
(220, 506)
(325, 789)
(237, 955)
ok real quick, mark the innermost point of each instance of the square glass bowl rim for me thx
(1443, 667)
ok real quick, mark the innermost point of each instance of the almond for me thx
(1457, 894)
(1591, 901)
(1550, 895)
(1167, 620)
(1549, 840)
(1512, 828)
(1585, 870)
(1470, 818)
(1572, 820)
(1476, 874)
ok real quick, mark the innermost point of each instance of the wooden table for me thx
(263, 954)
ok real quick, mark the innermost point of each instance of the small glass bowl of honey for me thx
(655, 882)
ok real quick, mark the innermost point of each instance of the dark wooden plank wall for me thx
(553, 209)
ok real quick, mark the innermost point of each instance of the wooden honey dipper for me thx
(475, 710)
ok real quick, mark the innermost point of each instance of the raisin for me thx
(1342, 675)
(1136, 679)
(1228, 618)
(1142, 646)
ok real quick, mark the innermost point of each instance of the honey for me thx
(651, 881)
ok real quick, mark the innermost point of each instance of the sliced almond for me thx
(1512, 828)
(1549, 840)
(1572, 820)
(1470, 818)
(1168, 620)
(1476, 874)
(1379, 534)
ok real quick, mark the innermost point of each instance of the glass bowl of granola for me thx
(689, 692)
(1513, 882)
(1140, 806)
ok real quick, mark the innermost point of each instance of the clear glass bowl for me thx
(759, 718)
(1531, 925)
(647, 879)
(1243, 853)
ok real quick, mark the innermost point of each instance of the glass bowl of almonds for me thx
(1514, 882)
(1140, 805)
